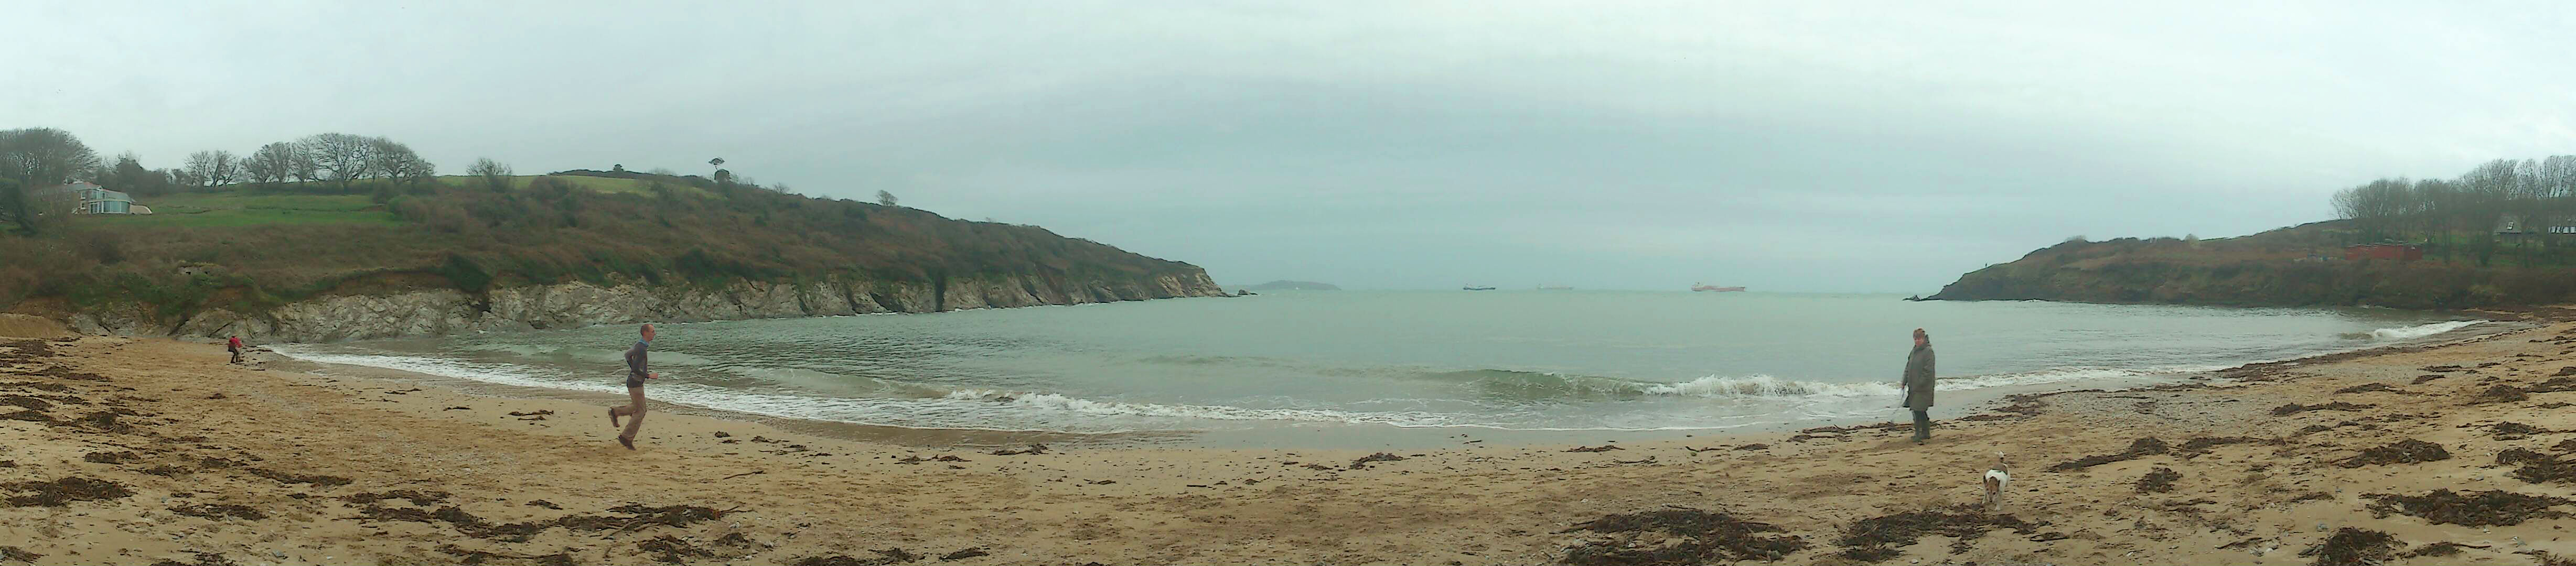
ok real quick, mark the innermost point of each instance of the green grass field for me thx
(601, 184)
(220, 209)
(235, 206)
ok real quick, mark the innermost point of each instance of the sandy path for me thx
(296, 468)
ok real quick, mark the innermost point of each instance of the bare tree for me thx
(885, 198)
(339, 158)
(44, 157)
(718, 163)
(394, 161)
(494, 174)
(271, 164)
(213, 168)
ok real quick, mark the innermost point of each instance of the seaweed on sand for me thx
(1648, 538)
(1877, 538)
(2137, 448)
(2159, 480)
(63, 491)
(2407, 451)
(2475, 509)
(2355, 547)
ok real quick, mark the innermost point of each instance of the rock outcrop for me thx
(571, 305)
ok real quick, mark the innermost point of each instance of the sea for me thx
(1371, 368)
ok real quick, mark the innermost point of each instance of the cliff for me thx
(277, 264)
(2299, 266)
(571, 305)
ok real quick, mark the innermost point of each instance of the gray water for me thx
(1369, 363)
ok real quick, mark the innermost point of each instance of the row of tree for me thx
(2537, 192)
(35, 159)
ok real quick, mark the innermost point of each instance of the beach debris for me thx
(1318, 467)
(290, 479)
(420, 498)
(2474, 509)
(2199, 445)
(1032, 449)
(2440, 549)
(543, 503)
(2159, 480)
(723, 434)
(479, 557)
(2137, 448)
(1107, 482)
(737, 540)
(26, 402)
(2368, 387)
(2407, 451)
(63, 491)
(1877, 538)
(637, 516)
(2441, 369)
(1363, 462)
(458, 408)
(217, 395)
(2547, 559)
(2427, 378)
(2295, 408)
(964, 554)
(948, 458)
(1601, 448)
(884, 557)
(2514, 430)
(18, 554)
(219, 512)
(203, 559)
(672, 549)
(1754, 447)
(2565, 371)
(1646, 460)
(2499, 394)
(1703, 537)
(2355, 547)
(749, 473)
(29, 415)
(111, 457)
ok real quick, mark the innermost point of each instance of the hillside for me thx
(315, 261)
(2296, 266)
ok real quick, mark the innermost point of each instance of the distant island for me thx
(2498, 236)
(1285, 285)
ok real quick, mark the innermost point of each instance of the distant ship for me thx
(1707, 287)
(1555, 288)
(1474, 288)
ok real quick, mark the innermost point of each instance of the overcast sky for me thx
(1788, 146)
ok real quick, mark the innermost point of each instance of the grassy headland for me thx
(252, 247)
(2502, 235)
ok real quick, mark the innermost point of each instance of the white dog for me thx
(1996, 478)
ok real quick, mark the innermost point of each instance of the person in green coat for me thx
(1918, 385)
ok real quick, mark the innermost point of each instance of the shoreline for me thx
(1343, 436)
(273, 466)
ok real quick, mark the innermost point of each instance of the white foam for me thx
(2421, 330)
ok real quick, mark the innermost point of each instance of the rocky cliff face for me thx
(570, 305)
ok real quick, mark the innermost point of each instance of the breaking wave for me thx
(2421, 330)
(1534, 386)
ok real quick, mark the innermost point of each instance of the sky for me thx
(1785, 146)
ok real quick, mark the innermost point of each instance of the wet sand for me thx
(133, 451)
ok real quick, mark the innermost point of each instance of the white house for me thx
(95, 200)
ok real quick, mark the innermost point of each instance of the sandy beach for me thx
(138, 451)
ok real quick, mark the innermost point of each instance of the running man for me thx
(636, 373)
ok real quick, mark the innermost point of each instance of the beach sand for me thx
(133, 451)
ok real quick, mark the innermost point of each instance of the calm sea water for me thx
(1452, 362)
